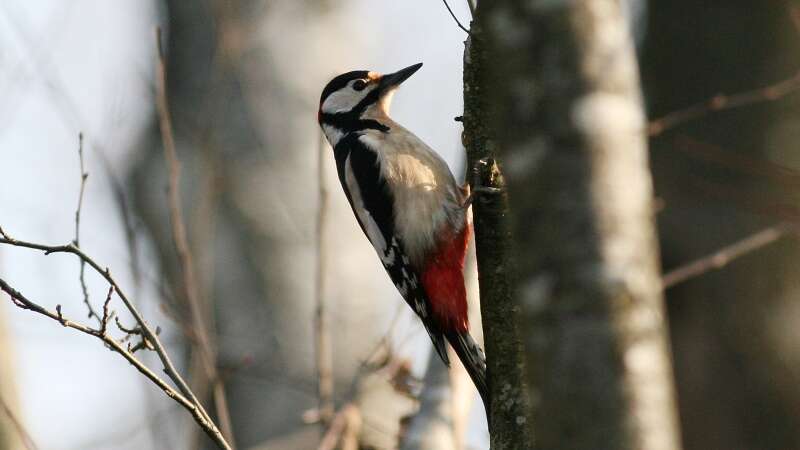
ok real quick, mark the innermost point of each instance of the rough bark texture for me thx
(509, 427)
(567, 106)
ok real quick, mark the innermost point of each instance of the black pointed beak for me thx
(392, 80)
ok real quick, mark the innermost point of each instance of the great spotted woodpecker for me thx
(408, 204)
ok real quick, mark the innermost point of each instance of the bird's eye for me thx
(359, 85)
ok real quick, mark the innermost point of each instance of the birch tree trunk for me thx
(567, 107)
(507, 411)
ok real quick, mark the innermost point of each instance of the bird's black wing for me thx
(372, 204)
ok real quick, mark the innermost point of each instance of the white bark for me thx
(572, 129)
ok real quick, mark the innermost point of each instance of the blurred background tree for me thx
(734, 331)
(243, 104)
(10, 437)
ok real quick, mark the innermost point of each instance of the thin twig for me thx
(452, 14)
(725, 255)
(188, 400)
(743, 162)
(723, 102)
(27, 441)
(205, 346)
(77, 240)
(323, 341)
(107, 313)
(70, 115)
(24, 303)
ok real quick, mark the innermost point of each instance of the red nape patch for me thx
(443, 280)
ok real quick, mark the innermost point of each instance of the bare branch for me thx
(186, 398)
(725, 255)
(204, 345)
(200, 417)
(452, 14)
(722, 102)
(782, 175)
(107, 313)
(27, 441)
(323, 341)
(77, 241)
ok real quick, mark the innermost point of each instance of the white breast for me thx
(427, 199)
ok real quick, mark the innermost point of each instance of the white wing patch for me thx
(346, 98)
(370, 226)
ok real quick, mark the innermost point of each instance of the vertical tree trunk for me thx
(567, 107)
(507, 411)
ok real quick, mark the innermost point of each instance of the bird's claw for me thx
(479, 190)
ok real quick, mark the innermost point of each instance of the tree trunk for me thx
(507, 411)
(567, 107)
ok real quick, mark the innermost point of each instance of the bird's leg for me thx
(478, 190)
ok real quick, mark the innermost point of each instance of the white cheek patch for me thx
(345, 99)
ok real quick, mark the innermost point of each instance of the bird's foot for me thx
(479, 191)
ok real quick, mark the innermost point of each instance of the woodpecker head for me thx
(354, 95)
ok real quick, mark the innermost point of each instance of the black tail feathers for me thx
(437, 338)
(474, 361)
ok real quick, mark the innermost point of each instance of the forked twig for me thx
(184, 396)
